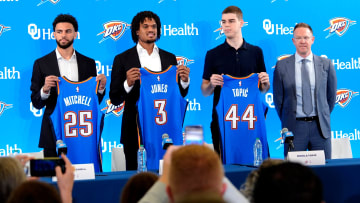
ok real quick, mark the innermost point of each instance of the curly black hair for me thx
(140, 18)
(65, 18)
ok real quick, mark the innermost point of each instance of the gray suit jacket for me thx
(284, 90)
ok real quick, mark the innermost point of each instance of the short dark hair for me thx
(140, 18)
(66, 18)
(137, 186)
(304, 25)
(297, 183)
(235, 10)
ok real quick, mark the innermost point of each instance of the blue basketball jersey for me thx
(161, 109)
(241, 119)
(76, 120)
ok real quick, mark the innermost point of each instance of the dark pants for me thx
(130, 151)
(50, 152)
(308, 136)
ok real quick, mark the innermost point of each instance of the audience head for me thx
(34, 192)
(248, 187)
(137, 186)
(287, 182)
(194, 169)
(11, 175)
(203, 197)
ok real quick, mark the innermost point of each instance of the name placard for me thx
(82, 172)
(316, 157)
(161, 163)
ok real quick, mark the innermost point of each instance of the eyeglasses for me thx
(304, 38)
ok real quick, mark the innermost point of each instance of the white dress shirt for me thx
(68, 68)
(151, 62)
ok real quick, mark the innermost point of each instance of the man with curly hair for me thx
(125, 77)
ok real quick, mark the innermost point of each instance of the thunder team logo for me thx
(4, 106)
(52, 1)
(3, 28)
(221, 31)
(284, 56)
(181, 60)
(339, 26)
(111, 108)
(114, 29)
(344, 96)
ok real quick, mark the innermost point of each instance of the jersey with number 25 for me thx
(76, 120)
(241, 119)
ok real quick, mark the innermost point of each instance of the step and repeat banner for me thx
(189, 29)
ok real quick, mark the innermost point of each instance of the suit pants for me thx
(308, 136)
(50, 152)
(130, 151)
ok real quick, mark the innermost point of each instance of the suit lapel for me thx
(290, 68)
(81, 66)
(135, 55)
(317, 67)
(163, 60)
(54, 64)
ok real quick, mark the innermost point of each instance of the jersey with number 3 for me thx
(76, 120)
(161, 110)
(241, 119)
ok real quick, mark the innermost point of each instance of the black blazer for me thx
(44, 67)
(122, 63)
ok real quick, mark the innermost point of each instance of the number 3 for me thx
(161, 119)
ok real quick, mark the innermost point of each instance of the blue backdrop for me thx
(189, 29)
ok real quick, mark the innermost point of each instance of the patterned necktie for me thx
(306, 89)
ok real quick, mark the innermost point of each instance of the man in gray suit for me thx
(304, 94)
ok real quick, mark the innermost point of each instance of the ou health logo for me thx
(44, 1)
(114, 29)
(339, 26)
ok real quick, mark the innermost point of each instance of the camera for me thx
(194, 134)
(46, 167)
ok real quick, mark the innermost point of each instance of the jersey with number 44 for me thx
(161, 110)
(76, 120)
(241, 119)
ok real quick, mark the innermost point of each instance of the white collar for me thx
(141, 49)
(298, 58)
(58, 55)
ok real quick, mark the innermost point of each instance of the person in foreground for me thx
(305, 93)
(190, 171)
(287, 182)
(15, 187)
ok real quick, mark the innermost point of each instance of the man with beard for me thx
(125, 77)
(63, 61)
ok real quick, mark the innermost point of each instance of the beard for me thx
(150, 41)
(65, 46)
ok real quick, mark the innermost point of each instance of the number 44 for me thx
(247, 116)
